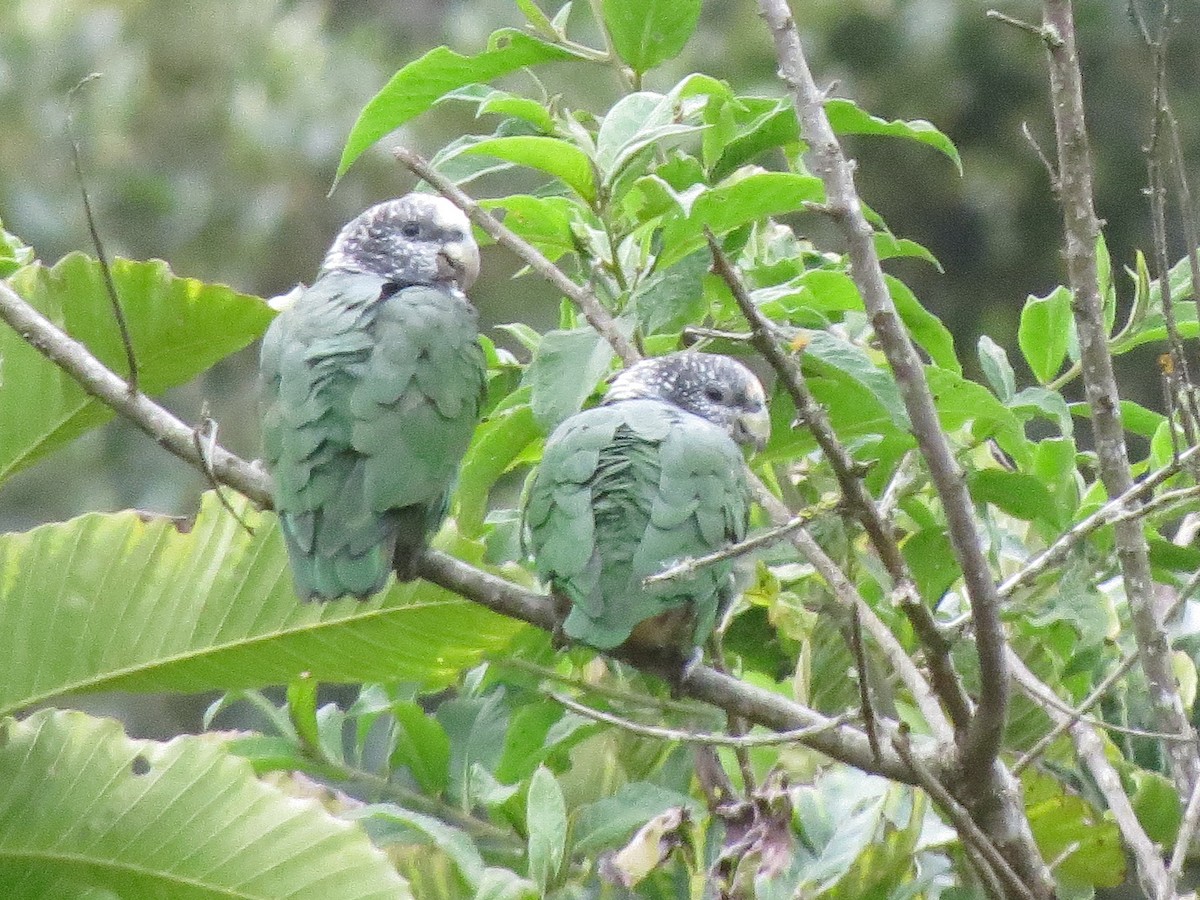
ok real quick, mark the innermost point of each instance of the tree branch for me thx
(857, 498)
(584, 299)
(1082, 229)
(762, 707)
(984, 735)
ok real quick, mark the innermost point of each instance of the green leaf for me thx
(1017, 494)
(649, 32)
(498, 443)
(925, 328)
(455, 843)
(1044, 331)
(179, 328)
(543, 221)
(564, 372)
(825, 351)
(1045, 403)
(416, 87)
(503, 884)
(609, 821)
(733, 203)
(476, 728)
(960, 401)
(488, 100)
(888, 246)
(1059, 819)
(554, 156)
(671, 298)
(546, 823)
(847, 117)
(422, 746)
(1156, 804)
(931, 558)
(14, 253)
(997, 369)
(86, 808)
(136, 602)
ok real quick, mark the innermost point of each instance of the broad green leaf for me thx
(422, 746)
(925, 328)
(931, 559)
(1016, 493)
(489, 100)
(609, 821)
(546, 824)
(1136, 418)
(504, 884)
(1045, 403)
(554, 156)
(382, 820)
(847, 117)
(543, 221)
(564, 372)
(671, 298)
(960, 401)
(497, 444)
(416, 87)
(997, 369)
(179, 328)
(1060, 819)
(649, 32)
(14, 253)
(825, 351)
(744, 129)
(737, 202)
(136, 602)
(1044, 331)
(888, 246)
(476, 728)
(86, 808)
(1156, 803)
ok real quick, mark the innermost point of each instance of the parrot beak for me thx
(753, 428)
(458, 261)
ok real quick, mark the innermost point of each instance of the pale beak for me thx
(458, 261)
(753, 428)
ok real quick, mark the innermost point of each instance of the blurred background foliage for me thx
(212, 137)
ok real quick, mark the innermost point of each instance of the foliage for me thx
(470, 779)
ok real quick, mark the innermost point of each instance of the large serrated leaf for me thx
(179, 327)
(87, 809)
(416, 87)
(123, 602)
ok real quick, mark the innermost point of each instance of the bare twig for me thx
(858, 500)
(984, 735)
(686, 568)
(1042, 33)
(1187, 831)
(583, 298)
(205, 440)
(1082, 229)
(101, 256)
(707, 738)
(870, 722)
(963, 823)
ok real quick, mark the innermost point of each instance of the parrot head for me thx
(713, 387)
(417, 239)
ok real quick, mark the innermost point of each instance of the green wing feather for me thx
(371, 397)
(623, 491)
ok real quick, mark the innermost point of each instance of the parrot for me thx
(373, 380)
(651, 476)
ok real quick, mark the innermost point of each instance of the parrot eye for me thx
(713, 394)
(410, 229)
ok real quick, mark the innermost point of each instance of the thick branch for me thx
(985, 734)
(585, 301)
(757, 705)
(1082, 228)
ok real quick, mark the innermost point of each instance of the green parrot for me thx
(651, 476)
(373, 380)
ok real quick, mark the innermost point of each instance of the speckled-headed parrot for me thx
(372, 381)
(651, 476)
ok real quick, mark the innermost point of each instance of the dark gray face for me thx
(714, 387)
(418, 239)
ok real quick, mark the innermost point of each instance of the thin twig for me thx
(1187, 831)
(963, 823)
(584, 299)
(205, 441)
(686, 568)
(1020, 24)
(745, 741)
(110, 286)
(858, 500)
(870, 723)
